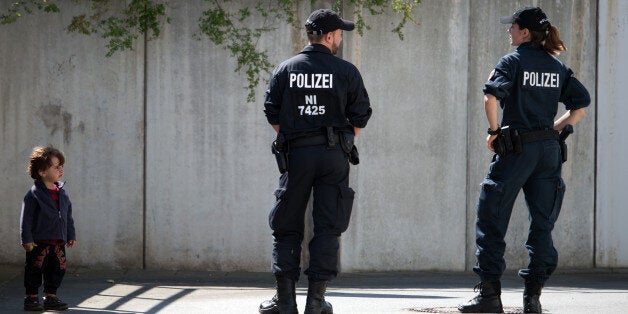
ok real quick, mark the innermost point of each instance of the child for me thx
(47, 227)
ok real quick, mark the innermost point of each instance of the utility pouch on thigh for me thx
(558, 200)
(274, 217)
(345, 206)
(280, 150)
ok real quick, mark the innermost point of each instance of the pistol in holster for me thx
(348, 146)
(508, 141)
(567, 130)
(279, 148)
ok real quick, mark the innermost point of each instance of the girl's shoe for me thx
(32, 304)
(54, 303)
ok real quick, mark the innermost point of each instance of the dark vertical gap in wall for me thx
(467, 151)
(595, 124)
(145, 145)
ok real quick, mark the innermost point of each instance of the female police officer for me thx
(529, 83)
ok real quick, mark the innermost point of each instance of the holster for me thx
(348, 146)
(567, 130)
(563, 150)
(279, 148)
(507, 141)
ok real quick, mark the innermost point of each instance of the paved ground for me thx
(107, 291)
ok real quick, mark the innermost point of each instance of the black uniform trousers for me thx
(47, 260)
(538, 171)
(325, 170)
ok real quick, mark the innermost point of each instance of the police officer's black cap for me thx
(323, 21)
(532, 18)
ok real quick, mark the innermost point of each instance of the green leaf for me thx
(52, 8)
(230, 25)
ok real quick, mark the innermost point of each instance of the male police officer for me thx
(317, 103)
(529, 83)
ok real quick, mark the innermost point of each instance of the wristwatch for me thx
(493, 132)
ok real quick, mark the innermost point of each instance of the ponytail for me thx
(553, 44)
(549, 39)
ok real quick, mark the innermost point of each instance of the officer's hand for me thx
(71, 243)
(489, 142)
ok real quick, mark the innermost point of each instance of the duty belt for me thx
(535, 136)
(312, 140)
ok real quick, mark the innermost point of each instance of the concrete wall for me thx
(210, 174)
(190, 161)
(57, 88)
(612, 147)
(410, 184)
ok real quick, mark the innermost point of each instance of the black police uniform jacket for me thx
(529, 84)
(314, 90)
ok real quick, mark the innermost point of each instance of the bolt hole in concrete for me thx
(434, 310)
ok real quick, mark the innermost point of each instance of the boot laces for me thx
(478, 287)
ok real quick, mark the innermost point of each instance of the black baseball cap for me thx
(532, 18)
(323, 21)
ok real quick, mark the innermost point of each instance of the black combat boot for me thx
(488, 299)
(284, 301)
(531, 295)
(315, 302)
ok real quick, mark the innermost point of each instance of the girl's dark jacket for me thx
(41, 220)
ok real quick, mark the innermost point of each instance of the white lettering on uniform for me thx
(311, 80)
(310, 99)
(554, 81)
(293, 77)
(541, 79)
